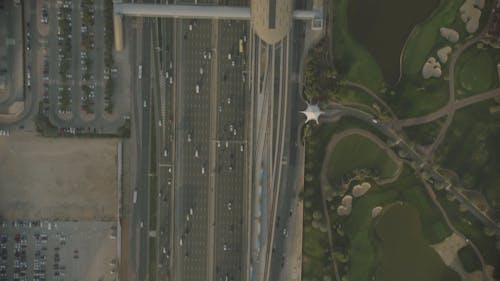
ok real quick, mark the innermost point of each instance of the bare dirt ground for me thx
(448, 250)
(58, 179)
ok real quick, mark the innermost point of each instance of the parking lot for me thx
(69, 65)
(45, 250)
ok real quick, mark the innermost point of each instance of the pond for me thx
(382, 27)
(404, 254)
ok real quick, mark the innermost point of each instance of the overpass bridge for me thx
(271, 19)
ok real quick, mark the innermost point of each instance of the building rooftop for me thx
(271, 19)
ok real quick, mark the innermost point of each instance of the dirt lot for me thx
(58, 179)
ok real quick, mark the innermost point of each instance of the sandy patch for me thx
(448, 251)
(431, 68)
(478, 275)
(376, 211)
(443, 54)
(345, 207)
(63, 178)
(360, 189)
(470, 12)
(449, 34)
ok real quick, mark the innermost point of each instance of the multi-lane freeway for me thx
(218, 115)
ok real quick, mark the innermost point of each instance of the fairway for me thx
(358, 152)
(404, 253)
(477, 71)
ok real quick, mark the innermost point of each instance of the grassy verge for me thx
(317, 262)
(152, 258)
(153, 196)
(352, 61)
(358, 152)
(476, 70)
(469, 259)
(471, 149)
(468, 225)
(424, 134)
(354, 246)
(414, 96)
(426, 39)
(359, 238)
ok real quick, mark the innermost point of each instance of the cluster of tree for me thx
(321, 80)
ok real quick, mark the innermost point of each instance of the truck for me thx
(140, 71)
(135, 196)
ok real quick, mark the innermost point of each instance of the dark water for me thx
(404, 255)
(382, 27)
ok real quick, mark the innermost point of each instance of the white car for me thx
(197, 88)
(145, 104)
(201, 70)
(159, 123)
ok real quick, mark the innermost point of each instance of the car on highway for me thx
(140, 71)
(197, 88)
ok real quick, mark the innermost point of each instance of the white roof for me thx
(312, 112)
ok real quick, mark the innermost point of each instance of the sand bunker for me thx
(443, 54)
(470, 13)
(345, 208)
(376, 211)
(449, 34)
(431, 68)
(360, 189)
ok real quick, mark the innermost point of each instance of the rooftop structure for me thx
(312, 113)
(271, 19)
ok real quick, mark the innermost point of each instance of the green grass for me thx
(315, 242)
(471, 149)
(404, 254)
(152, 258)
(469, 259)
(351, 59)
(469, 226)
(476, 71)
(359, 229)
(424, 134)
(414, 96)
(315, 254)
(426, 39)
(357, 152)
